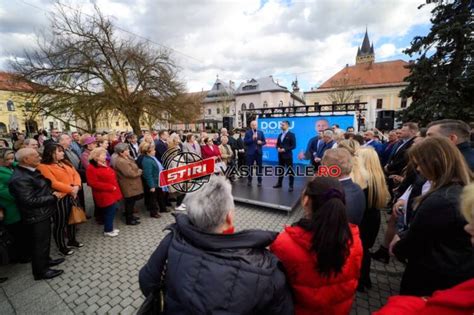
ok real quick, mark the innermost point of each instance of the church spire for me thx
(365, 53)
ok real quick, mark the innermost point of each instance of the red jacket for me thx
(207, 152)
(458, 300)
(105, 188)
(313, 293)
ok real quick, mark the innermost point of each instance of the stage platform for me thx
(266, 195)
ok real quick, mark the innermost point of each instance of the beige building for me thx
(263, 93)
(15, 106)
(377, 83)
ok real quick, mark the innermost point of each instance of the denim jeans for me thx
(109, 214)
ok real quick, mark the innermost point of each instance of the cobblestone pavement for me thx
(102, 277)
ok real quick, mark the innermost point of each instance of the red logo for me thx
(186, 172)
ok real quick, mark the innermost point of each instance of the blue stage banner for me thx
(304, 129)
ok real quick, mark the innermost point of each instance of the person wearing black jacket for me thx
(212, 270)
(240, 148)
(36, 202)
(160, 144)
(437, 250)
(398, 160)
(286, 143)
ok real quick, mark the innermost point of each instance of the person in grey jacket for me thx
(212, 270)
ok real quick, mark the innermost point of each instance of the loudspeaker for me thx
(228, 123)
(385, 120)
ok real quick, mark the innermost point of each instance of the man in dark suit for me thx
(254, 140)
(160, 144)
(355, 198)
(37, 203)
(458, 132)
(399, 157)
(240, 148)
(372, 141)
(389, 146)
(286, 143)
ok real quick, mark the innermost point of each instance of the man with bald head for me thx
(36, 202)
(254, 141)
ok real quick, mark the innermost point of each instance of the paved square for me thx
(102, 277)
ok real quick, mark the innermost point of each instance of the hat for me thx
(89, 140)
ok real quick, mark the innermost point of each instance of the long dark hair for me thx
(50, 150)
(332, 237)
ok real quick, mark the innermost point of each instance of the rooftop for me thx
(13, 82)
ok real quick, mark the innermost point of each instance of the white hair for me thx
(209, 206)
(328, 133)
(21, 154)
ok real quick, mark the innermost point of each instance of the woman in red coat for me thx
(209, 149)
(105, 188)
(322, 253)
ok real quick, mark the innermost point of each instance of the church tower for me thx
(365, 53)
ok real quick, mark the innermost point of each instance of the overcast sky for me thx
(244, 39)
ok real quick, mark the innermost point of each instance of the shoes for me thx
(116, 230)
(135, 218)
(49, 274)
(75, 244)
(249, 184)
(290, 189)
(182, 207)
(66, 251)
(111, 234)
(55, 262)
(381, 255)
(132, 222)
(155, 215)
(277, 186)
(259, 184)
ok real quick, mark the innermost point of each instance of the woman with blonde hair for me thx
(359, 173)
(377, 197)
(467, 208)
(105, 188)
(437, 250)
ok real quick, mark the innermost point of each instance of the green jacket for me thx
(7, 202)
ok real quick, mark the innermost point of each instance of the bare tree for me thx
(342, 90)
(87, 68)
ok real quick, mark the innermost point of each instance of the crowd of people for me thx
(315, 266)
(424, 176)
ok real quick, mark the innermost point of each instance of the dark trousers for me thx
(20, 250)
(130, 205)
(60, 220)
(156, 200)
(241, 159)
(109, 215)
(369, 228)
(251, 159)
(286, 162)
(40, 246)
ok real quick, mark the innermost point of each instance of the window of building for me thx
(209, 111)
(28, 106)
(357, 101)
(379, 103)
(218, 111)
(265, 104)
(51, 125)
(126, 123)
(403, 103)
(334, 102)
(218, 86)
(117, 123)
(249, 88)
(251, 106)
(227, 109)
(316, 103)
(280, 104)
(244, 107)
(10, 106)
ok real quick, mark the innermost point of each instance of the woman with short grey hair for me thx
(212, 269)
(129, 177)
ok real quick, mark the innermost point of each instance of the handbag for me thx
(77, 215)
(155, 301)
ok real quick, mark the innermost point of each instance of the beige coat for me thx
(129, 177)
(226, 154)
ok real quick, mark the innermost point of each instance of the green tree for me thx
(441, 82)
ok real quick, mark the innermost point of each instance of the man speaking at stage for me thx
(254, 140)
(286, 143)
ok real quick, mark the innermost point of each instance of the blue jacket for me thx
(251, 145)
(151, 172)
(160, 148)
(217, 273)
(378, 147)
(355, 201)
